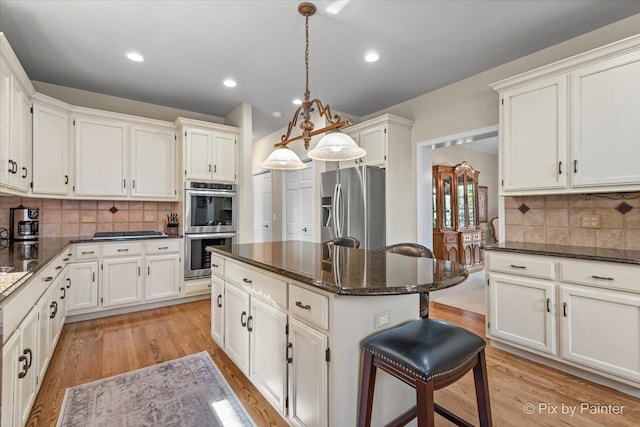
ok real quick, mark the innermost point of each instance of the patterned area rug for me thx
(189, 391)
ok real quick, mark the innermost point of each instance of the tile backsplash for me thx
(557, 219)
(85, 217)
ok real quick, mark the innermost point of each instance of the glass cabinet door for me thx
(447, 202)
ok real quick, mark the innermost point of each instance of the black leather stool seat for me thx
(427, 355)
(426, 348)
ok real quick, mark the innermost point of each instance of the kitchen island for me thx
(292, 315)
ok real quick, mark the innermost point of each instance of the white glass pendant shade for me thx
(283, 158)
(336, 146)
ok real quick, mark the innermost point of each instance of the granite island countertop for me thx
(625, 256)
(348, 271)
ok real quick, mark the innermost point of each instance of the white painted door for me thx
(26, 386)
(11, 366)
(153, 163)
(300, 205)
(59, 301)
(262, 208)
(198, 146)
(352, 163)
(374, 140)
(308, 370)
(20, 148)
(534, 135)
(601, 329)
(122, 281)
(236, 335)
(44, 351)
(605, 109)
(83, 291)
(101, 157)
(163, 276)
(50, 150)
(267, 344)
(217, 310)
(224, 157)
(522, 311)
(6, 79)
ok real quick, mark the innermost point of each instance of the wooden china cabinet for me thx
(456, 236)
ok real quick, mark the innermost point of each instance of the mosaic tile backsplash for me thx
(85, 217)
(557, 219)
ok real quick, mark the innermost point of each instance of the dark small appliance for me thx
(23, 223)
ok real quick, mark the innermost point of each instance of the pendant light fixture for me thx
(334, 146)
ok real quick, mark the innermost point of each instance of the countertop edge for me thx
(557, 251)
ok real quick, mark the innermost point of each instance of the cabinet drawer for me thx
(86, 252)
(608, 275)
(451, 238)
(217, 265)
(122, 249)
(477, 236)
(309, 306)
(522, 265)
(263, 286)
(19, 306)
(162, 247)
(466, 237)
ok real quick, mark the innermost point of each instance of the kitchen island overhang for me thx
(293, 315)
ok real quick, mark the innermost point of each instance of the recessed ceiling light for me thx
(297, 101)
(135, 57)
(276, 114)
(336, 6)
(230, 83)
(371, 57)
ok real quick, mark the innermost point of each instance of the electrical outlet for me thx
(381, 319)
(590, 221)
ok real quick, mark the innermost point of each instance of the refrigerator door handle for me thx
(340, 211)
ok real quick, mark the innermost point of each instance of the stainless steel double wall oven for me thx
(211, 219)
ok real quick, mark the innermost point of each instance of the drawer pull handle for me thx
(64, 292)
(564, 309)
(250, 324)
(305, 306)
(548, 305)
(58, 267)
(88, 252)
(602, 277)
(25, 369)
(65, 259)
(48, 279)
(219, 301)
(518, 266)
(27, 352)
(560, 168)
(243, 319)
(54, 307)
(163, 247)
(68, 283)
(289, 358)
(215, 265)
(245, 280)
(123, 250)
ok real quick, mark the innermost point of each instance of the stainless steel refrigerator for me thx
(353, 204)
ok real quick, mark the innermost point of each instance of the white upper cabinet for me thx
(374, 140)
(605, 116)
(210, 150)
(51, 139)
(534, 135)
(572, 126)
(101, 157)
(15, 121)
(153, 163)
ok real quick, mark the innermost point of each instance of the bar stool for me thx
(427, 355)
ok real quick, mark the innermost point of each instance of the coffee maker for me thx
(23, 223)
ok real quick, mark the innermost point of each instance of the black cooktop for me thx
(127, 235)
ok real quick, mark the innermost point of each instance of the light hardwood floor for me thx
(95, 349)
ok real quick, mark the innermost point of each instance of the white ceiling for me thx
(191, 46)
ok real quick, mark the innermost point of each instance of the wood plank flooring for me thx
(95, 349)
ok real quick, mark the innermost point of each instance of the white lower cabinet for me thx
(601, 329)
(19, 371)
(83, 290)
(523, 311)
(267, 342)
(217, 310)
(308, 375)
(121, 281)
(236, 335)
(163, 276)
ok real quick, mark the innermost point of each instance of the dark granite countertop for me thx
(580, 252)
(348, 271)
(30, 256)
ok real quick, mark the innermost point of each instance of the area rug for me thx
(189, 391)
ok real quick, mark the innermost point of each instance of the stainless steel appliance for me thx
(353, 204)
(210, 207)
(23, 223)
(197, 259)
(25, 255)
